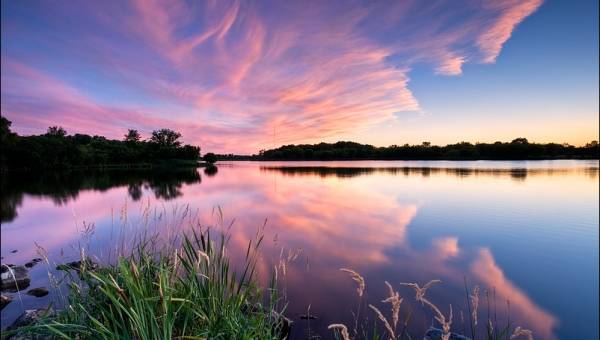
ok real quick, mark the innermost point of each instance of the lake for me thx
(524, 231)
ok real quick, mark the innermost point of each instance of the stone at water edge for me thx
(28, 318)
(4, 300)
(38, 292)
(33, 262)
(4, 267)
(76, 265)
(15, 278)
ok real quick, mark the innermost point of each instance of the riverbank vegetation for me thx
(182, 285)
(188, 291)
(517, 149)
(57, 150)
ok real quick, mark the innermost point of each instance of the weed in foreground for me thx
(445, 322)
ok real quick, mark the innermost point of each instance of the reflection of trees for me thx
(61, 187)
(518, 174)
(210, 170)
(135, 191)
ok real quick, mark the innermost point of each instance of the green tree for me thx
(520, 140)
(5, 133)
(166, 137)
(132, 136)
(210, 158)
(56, 131)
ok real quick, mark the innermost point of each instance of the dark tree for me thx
(56, 131)
(520, 141)
(210, 158)
(56, 149)
(166, 137)
(211, 170)
(132, 136)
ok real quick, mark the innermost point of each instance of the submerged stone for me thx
(77, 265)
(17, 278)
(29, 318)
(38, 292)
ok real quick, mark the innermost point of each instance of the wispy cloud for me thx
(239, 76)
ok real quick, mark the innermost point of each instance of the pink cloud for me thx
(238, 76)
(512, 12)
(487, 270)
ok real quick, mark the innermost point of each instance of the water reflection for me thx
(518, 174)
(62, 187)
(401, 224)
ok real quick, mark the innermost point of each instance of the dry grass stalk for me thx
(442, 320)
(420, 291)
(475, 304)
(395, 299)
(522, 332)
(420, 296)
(358, 279)
(202, 255)
(175, 260)
(384, 320)
(342, 329)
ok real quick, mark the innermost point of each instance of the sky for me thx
(240, 76)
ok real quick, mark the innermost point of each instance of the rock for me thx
(28, 318)
(76, 265)
(16, 278)
(436, 334)
(38, 292)
(4, 267)
(4, 300)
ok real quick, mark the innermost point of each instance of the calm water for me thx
(528, 230)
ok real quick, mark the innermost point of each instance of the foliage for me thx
(158, 292)
(519, 148)
(210, 157)
(56, 131)
(166, 138)
(56, 149)
(132, 136)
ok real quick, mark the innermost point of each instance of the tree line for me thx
(517, 149)
(57, 149)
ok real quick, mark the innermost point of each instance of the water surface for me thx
(527, 231)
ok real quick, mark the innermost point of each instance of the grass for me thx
(188, 292)
(185, 288)
(493, 331)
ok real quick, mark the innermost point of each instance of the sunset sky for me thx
(237, 77)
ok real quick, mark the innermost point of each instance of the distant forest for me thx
(56, 149)
(518, 149)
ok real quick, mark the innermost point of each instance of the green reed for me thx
(185, 292)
